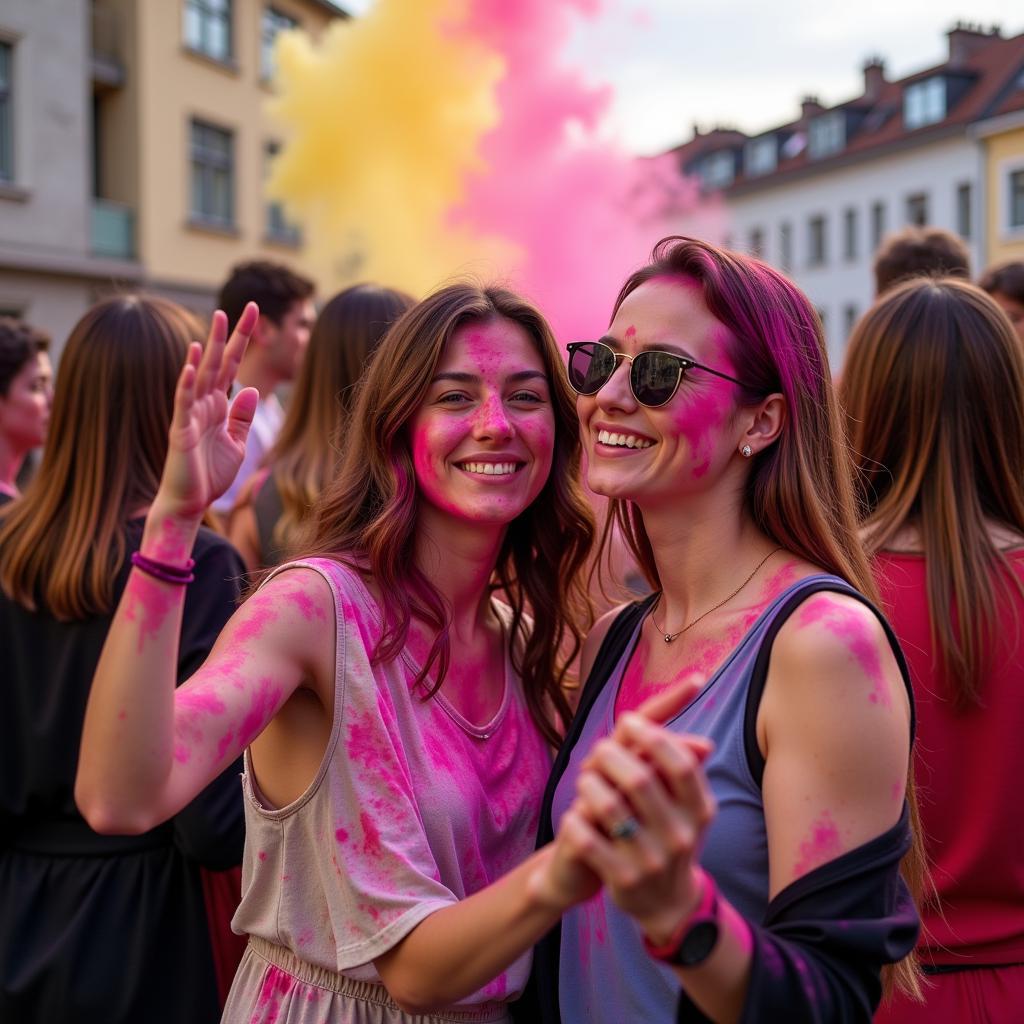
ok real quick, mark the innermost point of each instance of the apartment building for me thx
(134, 147)
(1002, 141)
(815, 196)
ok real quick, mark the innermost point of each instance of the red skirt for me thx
(981, 995)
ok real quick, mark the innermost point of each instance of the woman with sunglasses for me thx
(749, 845)
(933, 388)
(395, 719)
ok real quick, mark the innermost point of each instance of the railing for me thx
(113, 230)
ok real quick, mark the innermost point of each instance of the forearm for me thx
(128, 744)
(458, 950)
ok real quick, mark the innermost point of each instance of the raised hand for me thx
(206, 441)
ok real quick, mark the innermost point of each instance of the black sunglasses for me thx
(653, 376)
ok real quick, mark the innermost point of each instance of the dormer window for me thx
(826, 135)
(924, 103)
(717, 170)
(760, 156)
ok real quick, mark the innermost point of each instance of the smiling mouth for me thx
(622, 440)
(500, 469)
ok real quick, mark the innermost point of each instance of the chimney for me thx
(809, 106)
(874, 78)
(966, 39)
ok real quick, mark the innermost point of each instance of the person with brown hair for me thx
(934, 394)
(26, 394)
(274, 355)
(271, 508)
(98, 928)
(395, 716)
(749, 838)
(917, 251)
(1005, 283)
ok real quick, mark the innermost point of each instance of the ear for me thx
(763, 423)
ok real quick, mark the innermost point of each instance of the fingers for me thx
(184, 393)
(664, 706)
(213, 354)
(236, 345)
(240, 414)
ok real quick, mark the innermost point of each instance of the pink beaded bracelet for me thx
(162, 571)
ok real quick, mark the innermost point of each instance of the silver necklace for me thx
(669, 637)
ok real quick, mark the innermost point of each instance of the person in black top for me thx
(100, 928)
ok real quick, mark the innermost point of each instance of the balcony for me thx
(112, 230)
(107, 61)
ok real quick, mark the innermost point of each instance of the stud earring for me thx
(746, 451)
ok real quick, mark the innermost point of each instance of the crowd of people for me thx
(313, 712)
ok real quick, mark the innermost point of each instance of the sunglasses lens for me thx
(654, 377)
(590, 366)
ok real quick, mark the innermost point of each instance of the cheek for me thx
(699, 420)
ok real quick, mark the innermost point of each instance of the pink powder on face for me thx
(823, 844)
(853, 629)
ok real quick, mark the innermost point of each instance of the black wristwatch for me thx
(695, 938)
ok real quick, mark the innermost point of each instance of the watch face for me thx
(697, 945)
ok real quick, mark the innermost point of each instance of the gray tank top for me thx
(601, 950)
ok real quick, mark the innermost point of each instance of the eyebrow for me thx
(471, 378)
(674, 349)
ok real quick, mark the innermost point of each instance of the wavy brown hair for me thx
(307, 451)
(800, 490)
(933, 388)
(105, 452)
(368, 514)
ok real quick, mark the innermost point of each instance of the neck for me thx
(11, 460)
(459, 559)
(254, 373)
(704, 549)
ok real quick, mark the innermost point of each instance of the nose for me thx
(616, 393)
(492, 421)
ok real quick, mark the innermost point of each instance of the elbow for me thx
(106, 819)
(417, 997)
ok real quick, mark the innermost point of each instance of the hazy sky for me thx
(746, 63)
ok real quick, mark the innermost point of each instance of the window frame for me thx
(1009, 170)
(914, 202)
(826, 135)
(276, 226)
(817, 241)
(925, 102)
(8, 126)
(850, 225)
(285, 22)
(197, 215)
(206, 12)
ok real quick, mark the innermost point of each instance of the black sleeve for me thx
(211, 829)
(818, 955)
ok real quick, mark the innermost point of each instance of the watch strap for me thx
(705, 911)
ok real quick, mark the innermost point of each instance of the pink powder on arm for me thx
(822, 845)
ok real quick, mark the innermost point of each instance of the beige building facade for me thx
(134, 146)
(1002, 139)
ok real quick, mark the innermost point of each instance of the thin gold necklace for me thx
(669, 637)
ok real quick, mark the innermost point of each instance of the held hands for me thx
(206, 441)
(642, 807)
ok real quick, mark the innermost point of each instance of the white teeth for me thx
(489, 468)
(623, 440)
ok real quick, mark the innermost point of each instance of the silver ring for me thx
(625, 829)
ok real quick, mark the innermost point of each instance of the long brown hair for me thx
(106, 448)
(800, 489)
(933, 388)
(369, 512)
(307, 450)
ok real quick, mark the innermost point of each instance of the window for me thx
(816, 242)
(213, 199)
(278, 227)
(877, 224)
(924, 103)
(827, 135)
(850, 233)
(208, 27)
(756, 243)
(273, 22)
(849, 318)
(6, 113)
(718, 169)
(963, 210)
(917, 209)
(760, 156)
(786, 247)
(1015, 199)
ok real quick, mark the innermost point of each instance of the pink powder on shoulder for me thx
(823, 844)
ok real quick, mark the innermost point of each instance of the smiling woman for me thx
(395, 716)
